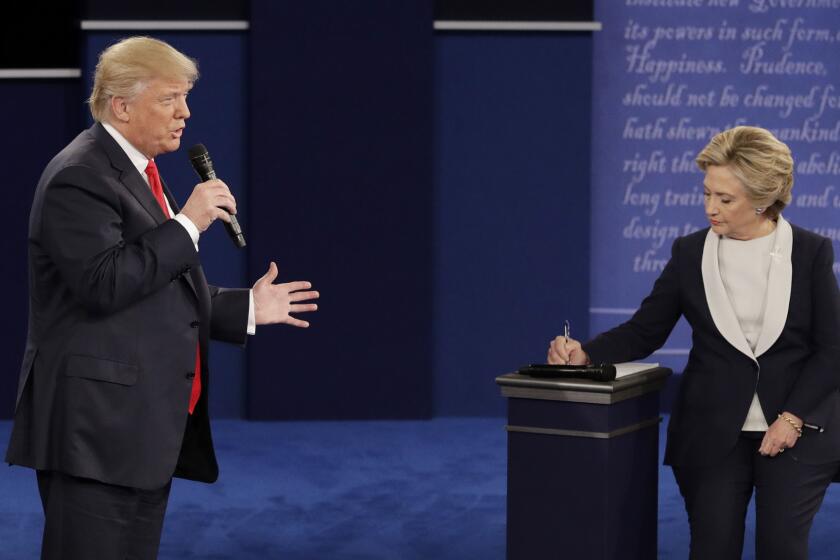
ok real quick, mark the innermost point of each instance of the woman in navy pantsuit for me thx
(758, 406)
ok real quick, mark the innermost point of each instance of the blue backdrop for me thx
(39, 118)
(512, 206)
(341, 161)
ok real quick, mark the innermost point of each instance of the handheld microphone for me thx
(203, 165)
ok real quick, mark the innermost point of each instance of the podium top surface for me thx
(582, 390)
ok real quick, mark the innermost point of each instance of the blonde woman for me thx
(758, 408)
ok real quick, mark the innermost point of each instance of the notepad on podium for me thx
(594, 372)
(630, 368)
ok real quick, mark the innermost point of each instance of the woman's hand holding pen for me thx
(566, 351)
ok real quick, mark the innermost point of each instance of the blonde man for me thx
(112, 398)
(758, 408)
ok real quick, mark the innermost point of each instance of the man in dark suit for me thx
(112, 398)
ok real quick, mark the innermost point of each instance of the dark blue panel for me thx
(39, 118)
(218, 120)
(341, 129)
(512, 146)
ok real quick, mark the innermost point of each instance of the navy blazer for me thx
(796, 363)
(118, 303)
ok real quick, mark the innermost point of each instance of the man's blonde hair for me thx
(125, 68)
(759, 160)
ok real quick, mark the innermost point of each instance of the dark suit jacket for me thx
(118, 301)
(795, 366)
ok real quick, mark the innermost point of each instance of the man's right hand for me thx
(209, 200)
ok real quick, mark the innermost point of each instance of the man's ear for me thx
(119, 108)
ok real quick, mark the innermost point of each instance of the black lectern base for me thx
(583, 467)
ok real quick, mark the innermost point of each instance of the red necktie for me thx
(157, 187)
(157, 190)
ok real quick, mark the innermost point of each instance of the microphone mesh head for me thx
(198, 151)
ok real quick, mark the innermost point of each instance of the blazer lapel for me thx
(129, 176)
(718, 300)
(778, 288)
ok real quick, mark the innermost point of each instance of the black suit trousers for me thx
(89, 520)
(788, 494)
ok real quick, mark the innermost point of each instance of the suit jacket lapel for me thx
(778, 288)
(718, 300)
(129, 176)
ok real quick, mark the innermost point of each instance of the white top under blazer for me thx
(744, 269)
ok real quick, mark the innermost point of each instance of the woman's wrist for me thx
(793, 417)
(793, 421)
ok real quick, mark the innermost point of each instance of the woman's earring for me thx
(759, 210)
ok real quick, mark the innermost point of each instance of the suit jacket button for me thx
(190, 375)
(195, 324)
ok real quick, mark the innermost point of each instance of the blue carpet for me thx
(353, 491)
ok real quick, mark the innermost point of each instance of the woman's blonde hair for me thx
(759, 160)
(125, 68)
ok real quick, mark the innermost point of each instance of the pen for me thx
(566, 329)
(813, 427)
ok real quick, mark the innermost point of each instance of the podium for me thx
(583, 465)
